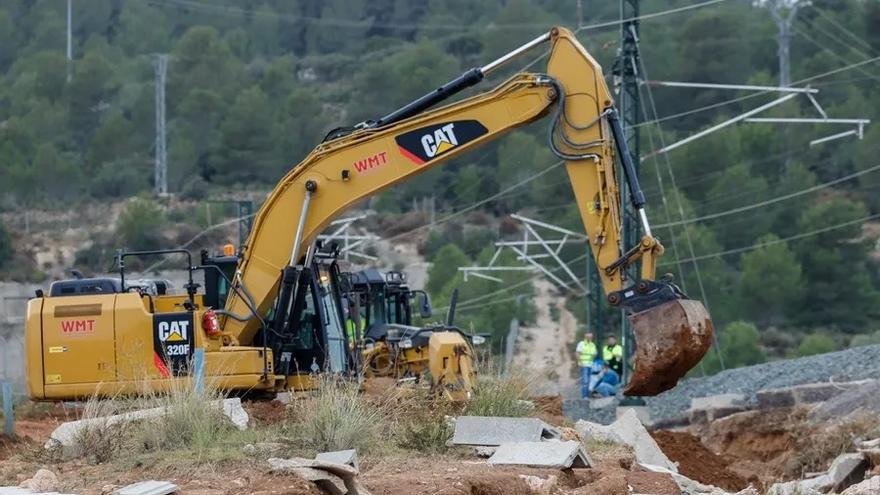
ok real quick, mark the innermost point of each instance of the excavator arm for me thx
(584, 132)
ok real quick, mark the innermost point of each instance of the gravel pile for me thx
(852, 364)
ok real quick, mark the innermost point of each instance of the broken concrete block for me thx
(150, 487)
(869, 444)
(43, 481)
(773, 398)
(594, 431)
(870, 486)
(846, 470)
(540, 486)
(328, 482)
(284, 465)
(343, 471)
(557, 455)
(485, 450)
(791, 488)
(233, 410)
(347, 457)
(490, 430)
(631, 432)
(819, 483)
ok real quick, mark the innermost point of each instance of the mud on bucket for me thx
(670, 339)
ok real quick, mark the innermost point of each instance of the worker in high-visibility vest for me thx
(351, 329)
(585, 353)
(612, 353)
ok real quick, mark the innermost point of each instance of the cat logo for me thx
(173, 331)
(173, 343)
(440, 141)
(426, 143)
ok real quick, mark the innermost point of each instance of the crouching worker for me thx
(607, 381)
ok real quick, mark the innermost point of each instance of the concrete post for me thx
(199, 371)
(7, 409)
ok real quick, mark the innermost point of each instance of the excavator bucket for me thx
(670, 339)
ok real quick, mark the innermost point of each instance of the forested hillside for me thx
(773, 233)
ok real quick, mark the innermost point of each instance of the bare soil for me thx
(697, 462)
(265, 412)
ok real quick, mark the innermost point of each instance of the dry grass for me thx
(820, 444)
(338, 417)
(186, 422)
(424, 422)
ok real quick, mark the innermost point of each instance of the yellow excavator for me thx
(103, 336)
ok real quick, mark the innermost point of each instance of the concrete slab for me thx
(17, 490)
(631, 432)
(347, 457)
(150, 487)
(553, 454)
(491, 430)
(846, 470)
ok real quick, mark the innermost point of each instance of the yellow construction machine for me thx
(280, 322)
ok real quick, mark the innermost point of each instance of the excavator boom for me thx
(672, 332)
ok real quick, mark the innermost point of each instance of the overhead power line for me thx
(759, 93)
(785, 239)
(336, 22)
(760, 204)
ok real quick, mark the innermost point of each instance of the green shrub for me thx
(815, 343)
(339, 417)
(499, 395)
(141, 224)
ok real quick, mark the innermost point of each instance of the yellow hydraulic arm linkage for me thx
(672, 332)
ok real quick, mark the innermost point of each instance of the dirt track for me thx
(545, 350)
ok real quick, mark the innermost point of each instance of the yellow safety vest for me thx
(608, 352)
(588, 353)
(350, 328)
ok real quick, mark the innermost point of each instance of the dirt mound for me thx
(764, 436)
(265, 412)
(697, 462)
